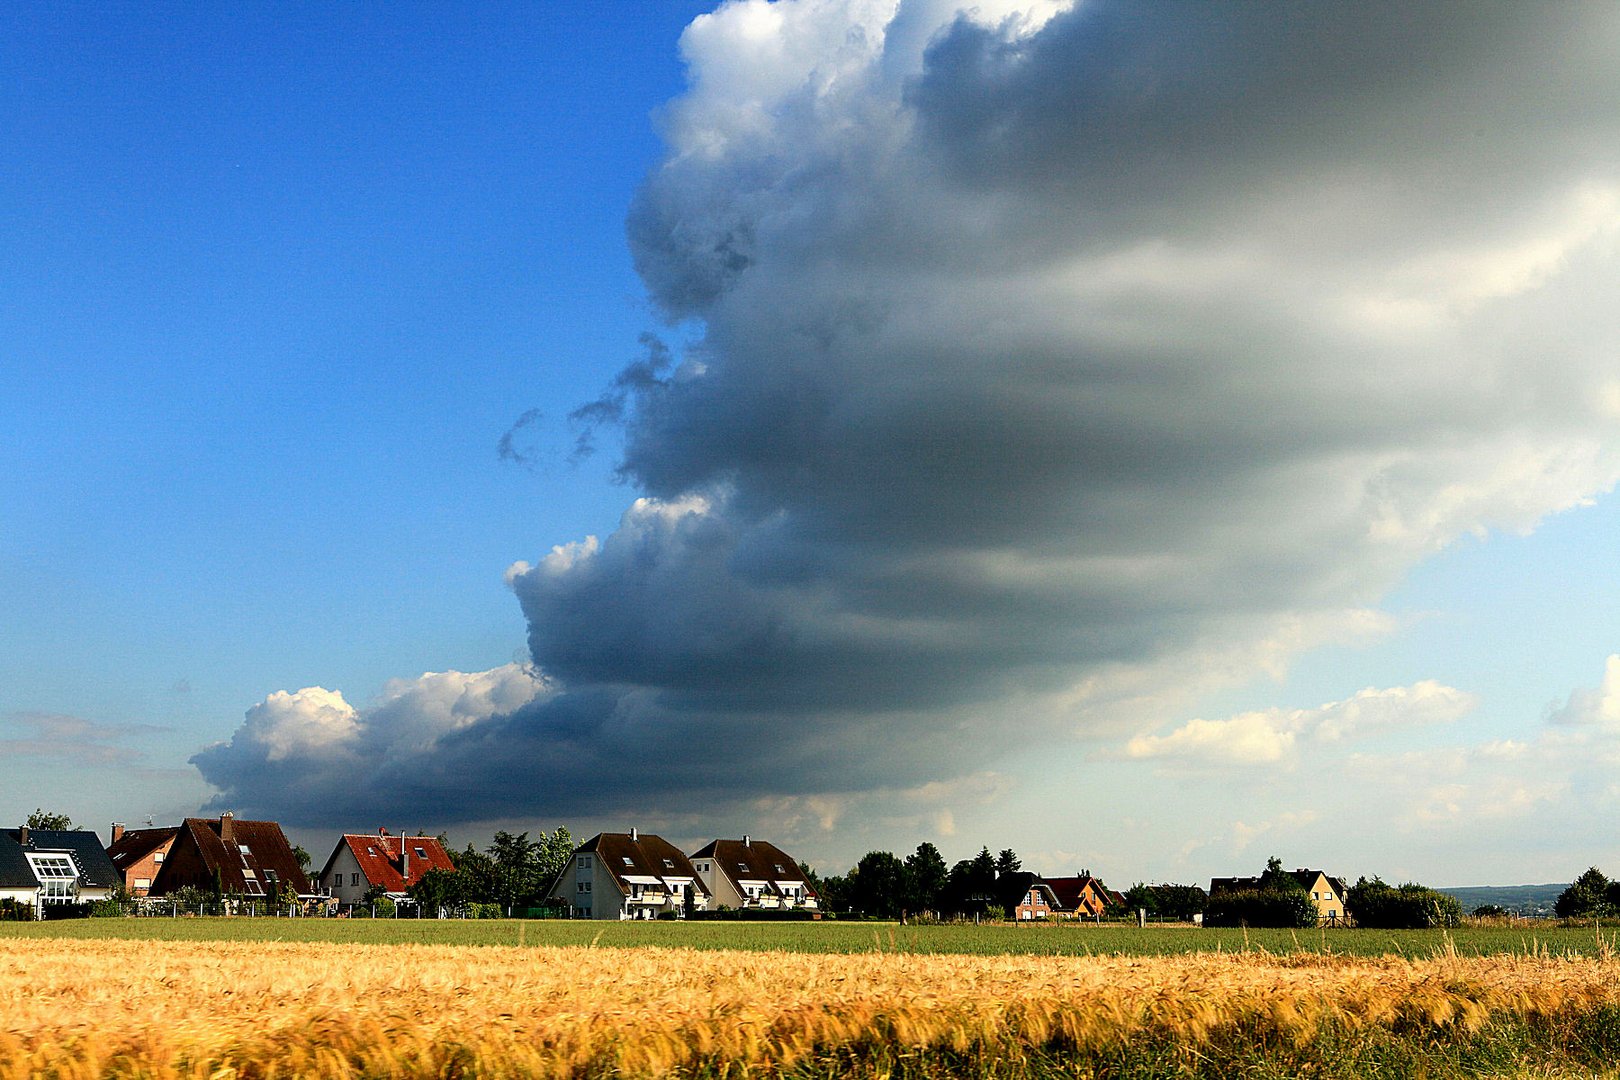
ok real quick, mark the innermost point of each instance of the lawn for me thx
(844, 937)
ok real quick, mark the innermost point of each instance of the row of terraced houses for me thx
(610, 876)
(629, 875)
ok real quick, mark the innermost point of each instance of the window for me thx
(421, 853)
(779, 869)
(243, 848)
(57, 877)
(584, 862)
(249, 874)
(669, 864)
(626, 859)
(584, 886)
(354, 880)
(157, 857)
(742, 868)
(143, 883)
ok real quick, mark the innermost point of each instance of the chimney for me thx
(118, 831)
(746, 840)
(634, 837)
(404, 858)
(227, 827)
(22, 836)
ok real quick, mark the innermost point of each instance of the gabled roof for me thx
(15, 873)
(95, 869)
(259, 846)
(137, 844)
(1014, 888)
(624, 855)
(1304, 876)
(754, 861)
(382, 863)
(1069, 890)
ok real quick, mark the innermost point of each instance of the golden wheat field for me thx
(234, 1009)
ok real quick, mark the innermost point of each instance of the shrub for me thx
(1275, 907)
(1377, 905)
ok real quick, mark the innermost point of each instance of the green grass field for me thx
(843, 937)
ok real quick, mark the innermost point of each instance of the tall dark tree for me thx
(517, 869)
(971, 887)
(925, 879)
(1588, 895)
(1008, 862)
(879, 885)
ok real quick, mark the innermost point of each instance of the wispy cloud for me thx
(57, 737)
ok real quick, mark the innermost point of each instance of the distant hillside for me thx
(1518, 899)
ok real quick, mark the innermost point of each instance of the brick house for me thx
(247, 859)
(138, 853)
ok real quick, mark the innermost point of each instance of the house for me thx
(44, 867)
(362, 862)
(247, 859)
(751, 873)
(1326, 891)
(629, 876)
(1084, 896)
(137, 853)
(1033, 898)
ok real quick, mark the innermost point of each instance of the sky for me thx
(1150, 437)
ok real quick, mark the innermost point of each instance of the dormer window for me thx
(669, 864)
(627, 861)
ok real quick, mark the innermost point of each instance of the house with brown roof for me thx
(630, 876)
(1034, 899)
(1083, 896)
(1327, 892)
(247, 859)
(138, 853)
(751, 873)
(365, 861)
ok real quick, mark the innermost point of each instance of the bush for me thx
(1378, 906)
(1271, 907)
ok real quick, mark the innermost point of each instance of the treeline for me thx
(512, 874)
(886, 886)
(1278, 899)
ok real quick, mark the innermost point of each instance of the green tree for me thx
(926, 876)
(1007, 862)
(48, 822)
(1378, 906)
(556, 851)
(971, 887)
(517, 868)
(302, 856)
(1587, 896)
(439, 889)
(879, 884)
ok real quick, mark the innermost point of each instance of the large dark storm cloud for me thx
(1040, 348)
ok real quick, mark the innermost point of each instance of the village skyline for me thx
(850, 422)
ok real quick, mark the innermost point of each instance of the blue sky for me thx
(1174, 444)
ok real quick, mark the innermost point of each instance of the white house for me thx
(362, 861)
(629, 876)
(751, 873)
(41, 867)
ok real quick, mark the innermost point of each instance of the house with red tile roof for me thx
(247, 859)
(751, 873)
(138, 853)
(365, 861)
(1083, 895)
(630, 875)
